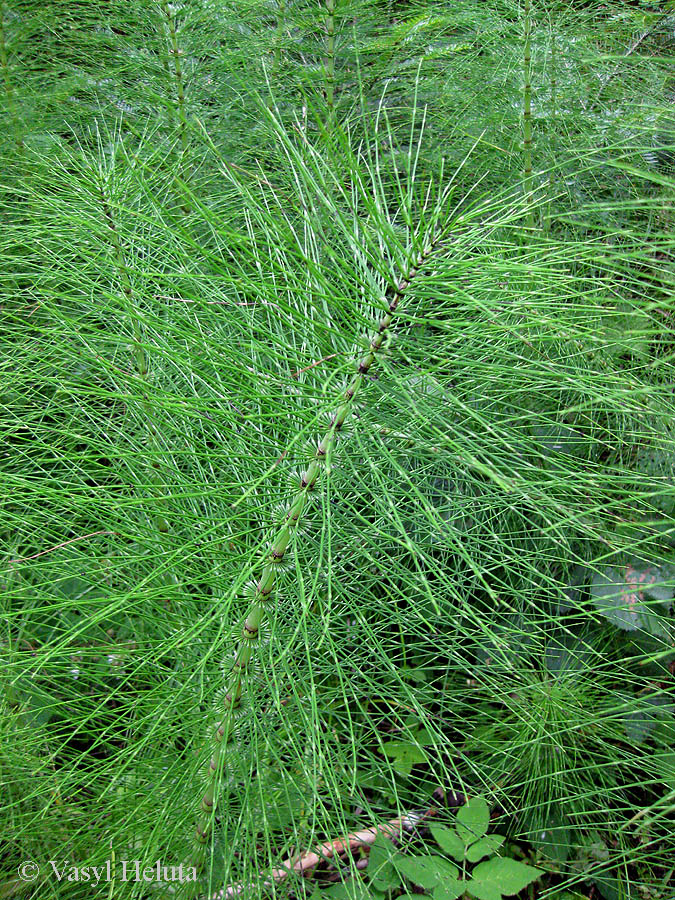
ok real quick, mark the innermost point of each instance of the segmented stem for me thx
(329, 64)
(180, 93)
(527, 107)
(279, 546)
(178, 73)
(553, 123)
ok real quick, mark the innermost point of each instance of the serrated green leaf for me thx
(426, 871)
(381, 851)
(567, 653)
(404, 754)
(449, 841)
(387, 880)
(484, 847)
(472, 820)
(610, 888)
(508, 875)
(555, 438)
(381, 872)
(451, 889)
(403, 765)
(349, 890)
(482, 890)
(404, 750)
(423, 738)
(418, 674)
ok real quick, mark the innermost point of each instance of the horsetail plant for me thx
(496, 459)
(175, 53)
(9, 87)
(329, 64)
(527, 106)
(178, 72)
(281, 17)
(553, 119)
(265, 584)
(138, 353)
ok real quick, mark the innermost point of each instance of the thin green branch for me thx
(139, 355)
(629, 51)
(338, 848)
(266, 581)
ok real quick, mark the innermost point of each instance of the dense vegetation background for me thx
(208, 209)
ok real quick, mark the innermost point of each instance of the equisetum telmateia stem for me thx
(527, 107)
(330, 54)
(554, 89)
(180, 95)
(273, 557)
(178, 73)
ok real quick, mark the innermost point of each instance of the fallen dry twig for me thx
(301, 865)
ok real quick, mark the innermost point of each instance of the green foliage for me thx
(466, 842)
(208, 209)
(626, 597)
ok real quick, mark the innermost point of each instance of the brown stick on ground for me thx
(311, 858)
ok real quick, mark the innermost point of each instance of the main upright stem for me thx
(178, 73)
(280, 544)
(527, 108)
(180, 97)
(329, 64)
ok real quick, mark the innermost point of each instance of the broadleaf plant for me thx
(636, 596)
(467, 842)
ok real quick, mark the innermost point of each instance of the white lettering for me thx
(59, 875)
(131, 870)
(98, 871)
(191, 873)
